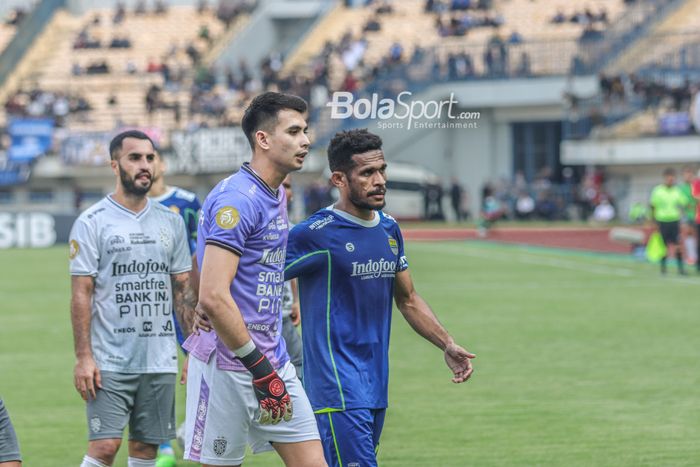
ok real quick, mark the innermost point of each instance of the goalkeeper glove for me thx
(272, 395)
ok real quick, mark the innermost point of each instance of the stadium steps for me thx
(663, 38)
(225, 39)
(642, 123)
(59, 28)
(330, 28)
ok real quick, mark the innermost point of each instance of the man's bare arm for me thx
(422, 319)
(184, 300)
(86, 374)
(217, 271)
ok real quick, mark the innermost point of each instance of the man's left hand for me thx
(459, 361)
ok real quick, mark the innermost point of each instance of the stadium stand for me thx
(137, 72)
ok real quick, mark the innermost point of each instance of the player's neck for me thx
(347, 206)
(134, 203)
(268, 172)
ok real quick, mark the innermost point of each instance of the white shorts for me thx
(222, 409)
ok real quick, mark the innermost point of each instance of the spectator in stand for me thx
(140, 8)
(119, 13)
(524, 206)
(604, 212)
(160, 8)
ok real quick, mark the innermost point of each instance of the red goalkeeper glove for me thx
(274, 400)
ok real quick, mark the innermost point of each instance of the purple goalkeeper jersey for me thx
(244, 215)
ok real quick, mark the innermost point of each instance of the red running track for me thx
(586, 239)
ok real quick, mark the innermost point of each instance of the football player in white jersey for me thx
(129, 268)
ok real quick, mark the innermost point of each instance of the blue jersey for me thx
(346, 269)
(187, 205)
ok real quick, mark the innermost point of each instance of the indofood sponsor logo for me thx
(374, 269)
(140, 269)
(270, 256)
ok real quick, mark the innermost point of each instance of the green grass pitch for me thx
(582, 360)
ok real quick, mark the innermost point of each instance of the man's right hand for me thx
(270, 390)
(274, 400)
(87, 378)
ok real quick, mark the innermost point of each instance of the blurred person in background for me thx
(290, 304)
(688, 238)
(667, 203)
(696, 196)
(186, 204)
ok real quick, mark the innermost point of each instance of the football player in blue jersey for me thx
(350, 263)
(186, 204)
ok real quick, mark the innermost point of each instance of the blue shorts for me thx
(351, 438)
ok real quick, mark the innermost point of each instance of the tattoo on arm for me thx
(184, 301)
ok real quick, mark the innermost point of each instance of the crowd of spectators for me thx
(40, 103)
(549, 197)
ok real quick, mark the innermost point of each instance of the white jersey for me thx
(131, 256)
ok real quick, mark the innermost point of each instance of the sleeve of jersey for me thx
(652, 198)
(84, 252)
(233, 221)
(403, 261)
(695, 187)
(303, 254)
(181, 260)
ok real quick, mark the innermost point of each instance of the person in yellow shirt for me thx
(668, 204)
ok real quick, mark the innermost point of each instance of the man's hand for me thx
(275, 403)
(87, 378)
(459, 361)
(295, 315)
(270, 390)
(201, 321)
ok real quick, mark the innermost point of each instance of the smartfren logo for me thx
(374, 269)
(270, 256)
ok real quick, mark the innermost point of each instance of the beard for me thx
(130, 185)
(363, 202)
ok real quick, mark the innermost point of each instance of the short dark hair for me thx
(116, 144)
(346, 144)
(262, 112)
(669, 171)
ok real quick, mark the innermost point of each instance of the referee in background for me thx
(667, 206)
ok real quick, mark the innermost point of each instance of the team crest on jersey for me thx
(74, 249)
(227, 217)
(175, 209)
(394, 245)
(350, 247)
(220, 446)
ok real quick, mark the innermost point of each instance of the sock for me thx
(679, 260)
(134, 462)
(663, 264)
(166, 449)
(90, 462)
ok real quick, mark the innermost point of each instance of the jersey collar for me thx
(246, 168)
(136, 215)
(349, 217)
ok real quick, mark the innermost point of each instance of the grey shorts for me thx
(9, 448)
(145, 401)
